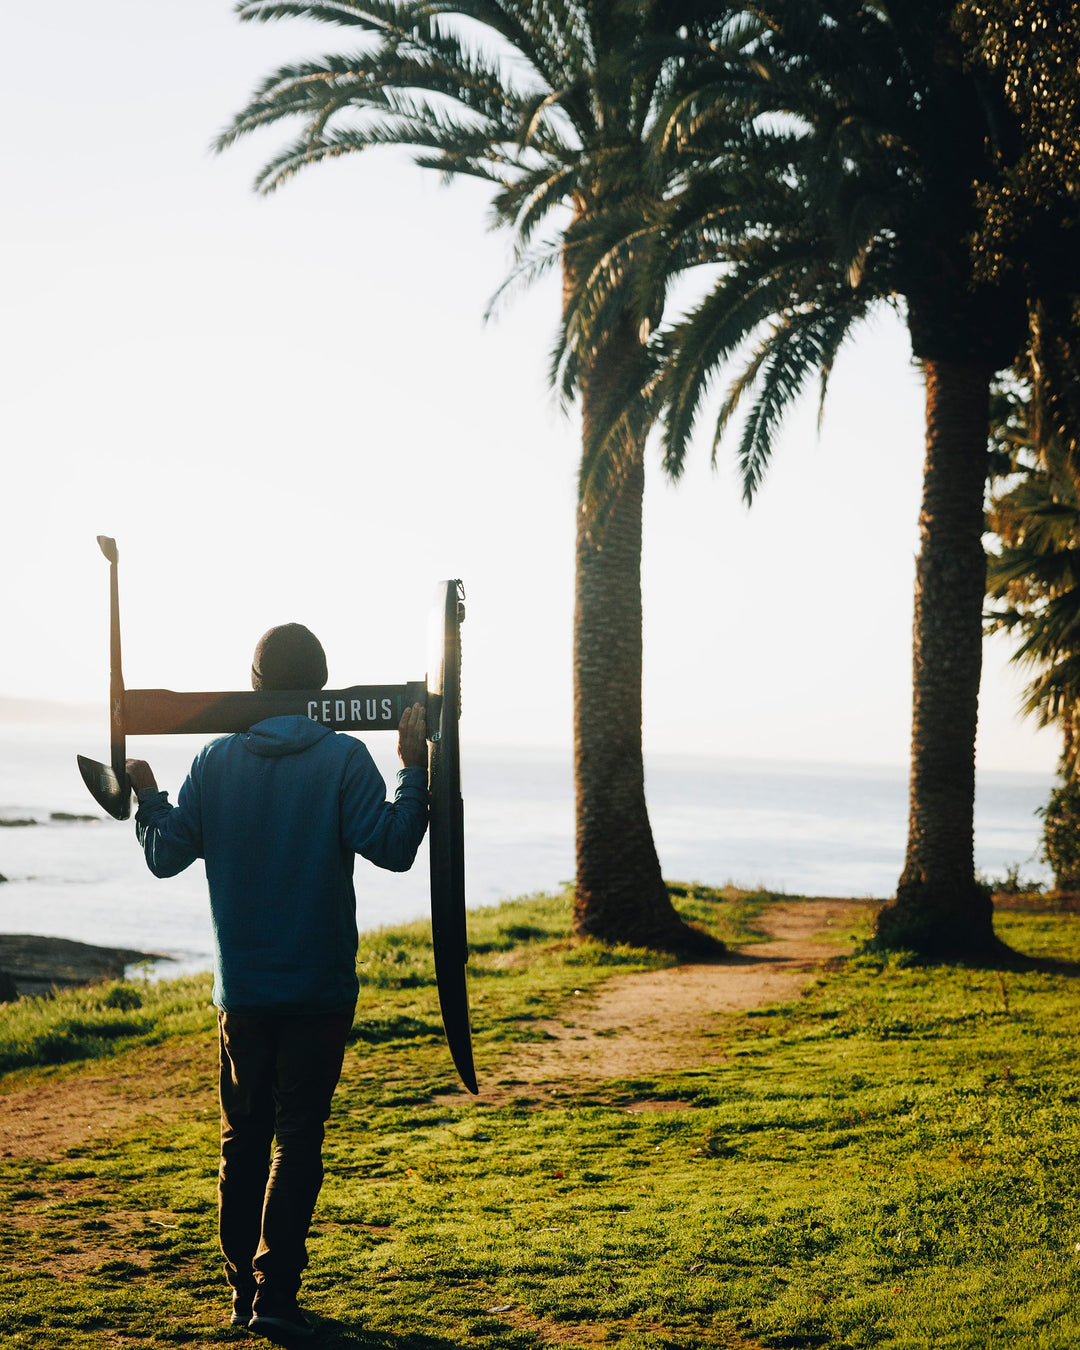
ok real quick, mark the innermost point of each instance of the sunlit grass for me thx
(100, 1020)
(888, 1160)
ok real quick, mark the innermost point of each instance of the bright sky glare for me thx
(291, 408)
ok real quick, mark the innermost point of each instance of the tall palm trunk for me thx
(939, 908)
(620, 895)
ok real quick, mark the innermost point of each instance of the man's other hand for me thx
(141, 776)
(412, 740)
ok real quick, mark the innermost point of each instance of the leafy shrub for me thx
(124, 997)
(1061, 834)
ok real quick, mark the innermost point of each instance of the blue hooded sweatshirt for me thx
(278, 813)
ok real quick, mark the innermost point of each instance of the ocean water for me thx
(805, 829)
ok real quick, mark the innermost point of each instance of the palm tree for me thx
(1034, 575)
(852, 185)
(551, 102)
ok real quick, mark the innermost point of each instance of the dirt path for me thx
(631, 1026)
(665, 1020)
(153, 1084)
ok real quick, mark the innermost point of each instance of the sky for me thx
(292, 408)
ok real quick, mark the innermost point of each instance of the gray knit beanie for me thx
(289, 656)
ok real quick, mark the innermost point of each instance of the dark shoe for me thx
(280, 1321)
(241, 1307)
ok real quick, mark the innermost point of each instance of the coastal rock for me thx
(39, 964)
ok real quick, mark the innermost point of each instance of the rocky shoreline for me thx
(31, 964)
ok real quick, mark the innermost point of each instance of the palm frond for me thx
(528, 268)
(1035, 572)
(806, 343)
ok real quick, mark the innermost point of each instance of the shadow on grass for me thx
(1000, 957)
(334, 1335)
(1003, 957)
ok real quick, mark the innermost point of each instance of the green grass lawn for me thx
(889, 1160)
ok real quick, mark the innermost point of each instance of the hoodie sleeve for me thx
(386, 833)
(171, 836)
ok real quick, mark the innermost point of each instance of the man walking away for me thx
(279, 813)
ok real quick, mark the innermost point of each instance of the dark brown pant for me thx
(278, 1075)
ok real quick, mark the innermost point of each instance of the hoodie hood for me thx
(276, 736)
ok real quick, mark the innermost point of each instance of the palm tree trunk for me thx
(620, 895)
(939, 908)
